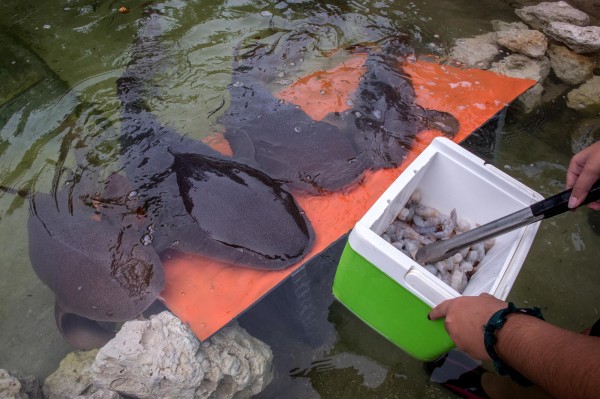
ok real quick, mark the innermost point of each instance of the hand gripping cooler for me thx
(391, 292)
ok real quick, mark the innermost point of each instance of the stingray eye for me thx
(306, 178)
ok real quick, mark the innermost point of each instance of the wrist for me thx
(492, 332)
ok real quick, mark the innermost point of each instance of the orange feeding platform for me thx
(207, 294)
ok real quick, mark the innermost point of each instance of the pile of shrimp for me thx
(417, 225)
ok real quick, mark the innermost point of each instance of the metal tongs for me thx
(543, 209)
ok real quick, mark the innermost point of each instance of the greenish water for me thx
(58, 66)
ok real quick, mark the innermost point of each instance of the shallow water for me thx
(58, 67)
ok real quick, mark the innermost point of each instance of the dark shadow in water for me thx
(320, 348)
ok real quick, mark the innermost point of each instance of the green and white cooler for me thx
(391, 292)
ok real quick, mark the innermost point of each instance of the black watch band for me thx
(489, 339)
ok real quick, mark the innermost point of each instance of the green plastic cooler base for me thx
(389, 308)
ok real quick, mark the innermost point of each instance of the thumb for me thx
(439, 311)
(581, 188)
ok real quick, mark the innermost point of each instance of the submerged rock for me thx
(162, 358)
(541, 15)
(10, 387)
(570, 67)
(498, 25)
(585, 133)
(478, 52)
(579, 39)
(520, 66)
(531, 43)
(586, 97)
(73, 376)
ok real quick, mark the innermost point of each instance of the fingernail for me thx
(572, 202)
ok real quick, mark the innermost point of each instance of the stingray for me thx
(87, 249)
(279, 137)
(198, 200)
(99, 248)
(385, 118)
(328, 155)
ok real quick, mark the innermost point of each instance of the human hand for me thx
(584, 171)
(465, 317)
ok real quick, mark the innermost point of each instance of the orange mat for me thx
(207, 294)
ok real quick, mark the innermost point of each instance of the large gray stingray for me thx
(87, 249)
(315, 156)
(98, 247)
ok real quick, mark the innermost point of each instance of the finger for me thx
(575, 168)
(582, 186)
(440, 310)
(594, 205)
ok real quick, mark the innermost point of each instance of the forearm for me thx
(564, 363)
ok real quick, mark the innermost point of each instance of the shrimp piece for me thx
(425, 227)
(420, 221)
(466, 267)
(407, 232)
(391, 233)
(400, 245)
(440, 266)
(403, 214)
(456, 279)
(415, 197)
(453, 216)
(444, 265)
(472, 256)
(447, 227)
(479, 248)
(411, 210)
(462, 225)
(412, 247)
(457, 257)
(445, 276)
(426, 211)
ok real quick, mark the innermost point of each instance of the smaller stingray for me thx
(327, 155)
(385, 116)
(279, 137)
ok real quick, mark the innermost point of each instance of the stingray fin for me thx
(442, 121)
(81, 332)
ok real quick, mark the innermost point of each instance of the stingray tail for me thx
(146, 58)
(249, 94)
